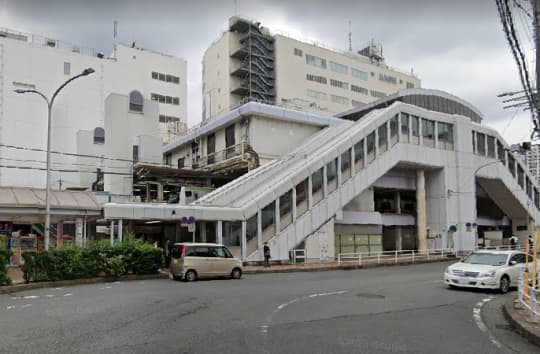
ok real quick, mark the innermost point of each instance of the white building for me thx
(414, 170)
(533, 161)
(34, 62)
(248, 63)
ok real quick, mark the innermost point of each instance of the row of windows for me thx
(165, 99)
(344, 69)
(165, 77)
(359, 89)
(340, 84)
(316, 78)
(384, 136)
(377, 94)
(487, 145)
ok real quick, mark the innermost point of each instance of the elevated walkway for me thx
(293, 197)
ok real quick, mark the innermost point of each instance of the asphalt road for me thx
(381, 310)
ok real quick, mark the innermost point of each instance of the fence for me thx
(529, 299)
(298, 255)
(389, 257)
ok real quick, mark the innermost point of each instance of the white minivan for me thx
(191, 261)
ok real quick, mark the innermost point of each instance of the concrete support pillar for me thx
(244, 240)
(277, 217)
(259, 234)
(399, 239)
(79, 232)
(293, 201)
(160, 192)
(353, 169)
(219, 232)
(376, 143)
(420, 137)
(310, 192)
(120, 231)
(112, 232)
(436, 135)
(325, 182)
(339, 178)
(203, 231)
(421, 213)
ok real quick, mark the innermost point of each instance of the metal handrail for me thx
(529, 299)
(379, 256)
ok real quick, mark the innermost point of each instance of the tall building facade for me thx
(249, 63)
(533, 161)
(33, 62)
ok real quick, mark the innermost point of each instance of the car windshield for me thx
(486, 258)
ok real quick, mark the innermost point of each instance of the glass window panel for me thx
(345, 160)
(481, 143)
(268, 215)
(491, 146)
(383, 138)
(317, 180)
(285, 203)
(331, 171)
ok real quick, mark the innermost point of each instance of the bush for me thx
(4, 259)
(96, 259)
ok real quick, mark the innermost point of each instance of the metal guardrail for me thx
(529, 299)
(394, 256)
(297, 254)
(502, 248)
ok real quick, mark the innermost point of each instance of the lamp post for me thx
(50, 103)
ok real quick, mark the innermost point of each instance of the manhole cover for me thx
(370, 296)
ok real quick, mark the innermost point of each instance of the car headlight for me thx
(490, 273)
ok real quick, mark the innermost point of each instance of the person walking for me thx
(266, 252)
(513, 241)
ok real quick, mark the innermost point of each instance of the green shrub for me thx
(4, 259)
(96, 259)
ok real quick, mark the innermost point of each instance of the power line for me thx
(63, 170)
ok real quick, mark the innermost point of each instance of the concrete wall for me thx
(363, 202)
(320, 246)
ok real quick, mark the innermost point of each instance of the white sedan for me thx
(487, 270)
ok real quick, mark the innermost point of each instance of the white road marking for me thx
(264, 327)
(68, 294)
(31, 297)
(10, 307)
(477, 315)
(108, 287)
(49, 295)
(57, 288)
(26, 305)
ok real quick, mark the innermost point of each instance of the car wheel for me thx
(190, 275)
(236, 273)
(504, 284)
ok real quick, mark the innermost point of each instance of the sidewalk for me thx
(521, 321)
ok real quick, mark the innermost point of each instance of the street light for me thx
(50, 103)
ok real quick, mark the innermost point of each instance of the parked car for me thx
(191, 261)
(487, 270)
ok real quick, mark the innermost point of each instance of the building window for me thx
(410, 85)
(181, 162)
(135, 101)
(316, 61)
(405, 127)
(301, 197)
(394, 126)
(268, 216)
(481, 143)
(359, 155)
(377, 94)
(370, 147)
(165, 99)
(285, 209)
(339, 68)
(340, 84)
(445, 136)
(428, 133)
(316, 185)
(362, 75)
(317, 95)
(99, 135)
(500, 152)
(388, 78)
(415, 129)
(383, 138)
(339, 99)
(346, 165)
(155, 75)
(168, 158)
(135, 153)
(331, 175)
(298, 52)
(316, 78)
(360, 89)
(491, 146)
(67, 68)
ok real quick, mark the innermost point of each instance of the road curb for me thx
(519, 324)
(304, 268)
(55, 284)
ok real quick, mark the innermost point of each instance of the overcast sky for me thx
(457, 46)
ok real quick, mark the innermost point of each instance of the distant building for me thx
(29, 61)
(533, 161)
(249, 63)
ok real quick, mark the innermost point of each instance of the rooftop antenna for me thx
(115, 37)
(350, 37)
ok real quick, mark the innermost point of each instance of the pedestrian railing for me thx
(529, 299)
(298, 255)
(389, 257)
(503, 248)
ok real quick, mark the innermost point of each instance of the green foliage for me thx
(96, 259)
(4, 259)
